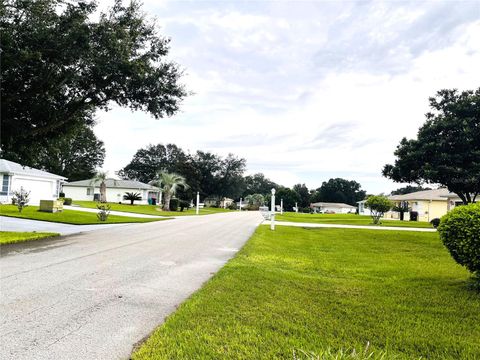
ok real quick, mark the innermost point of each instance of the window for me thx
(89, 191)
(5, 184)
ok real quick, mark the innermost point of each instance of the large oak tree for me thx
(61, 63)
(447, 148)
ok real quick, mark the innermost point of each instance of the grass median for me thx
(325, 292)
(69, 216)
(10, 237)
(347, 219)
(150, 209)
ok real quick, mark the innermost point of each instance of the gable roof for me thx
(333, 205)
(13, 168)
(114, 183)
(435, 194)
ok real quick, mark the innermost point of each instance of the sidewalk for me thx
(112, 212)
(314, 225)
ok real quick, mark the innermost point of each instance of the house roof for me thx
(333, 205)
(13, 168)
(436, 194)
(114, 183)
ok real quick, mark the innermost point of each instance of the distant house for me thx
(41, 184)
(332, 208)
(429, 204)
(116, 189)
(216, 201)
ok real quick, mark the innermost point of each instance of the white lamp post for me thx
(281, 206)
(296, 207)
(240, 207)
(272, 214)
(197, 210)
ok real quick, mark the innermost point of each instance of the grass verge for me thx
(150, 209)
(10, 237)
(69, 216)
(326, 292)
(347, 219)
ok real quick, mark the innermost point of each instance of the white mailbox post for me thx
(281, 206)
(296, 207)
(197, 210)
(272, 215)
(240, 207)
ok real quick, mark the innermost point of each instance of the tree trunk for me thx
(166, 205)
(103, 192)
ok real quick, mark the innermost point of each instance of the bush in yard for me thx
(67, 201)
(174, 204)
(232, 206)
(435, 222)
(460, 233)
(132, 196)
(61, 195)
(20, 198)
(104, 211)
(378, 206)
(183, 204)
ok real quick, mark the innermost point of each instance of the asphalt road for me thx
(94, 295)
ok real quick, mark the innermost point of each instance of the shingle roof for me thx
(436, 194)
(328, 204)
(10, 167)
(113, 183)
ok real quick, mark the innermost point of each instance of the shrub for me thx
(67, 201)
(378, 206)
(435, 222)
(183, 204)
(20, 198)
(61, 195)
(232, 206)
(460, 233)
(104, 211)
(174, 204)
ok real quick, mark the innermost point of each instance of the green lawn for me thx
(150, 209)
(347, 219)
(9, 237)
(328, 291)
(68, 216)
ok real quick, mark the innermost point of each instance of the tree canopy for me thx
(408, 189)
(339, 190)
(447, 148)
(205, 172)
(76, 157)
(59, 66)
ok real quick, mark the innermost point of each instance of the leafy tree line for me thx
(215, 176)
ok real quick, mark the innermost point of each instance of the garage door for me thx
(39, 190)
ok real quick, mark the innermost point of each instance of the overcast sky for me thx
(304, 90)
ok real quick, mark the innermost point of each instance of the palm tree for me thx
(100, 176)
(169, 183)
(132, 197)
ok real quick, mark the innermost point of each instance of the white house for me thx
(41, 184)
(116, 189)
(333, 208)
(362, 209)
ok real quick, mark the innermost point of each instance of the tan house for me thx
(429, 204)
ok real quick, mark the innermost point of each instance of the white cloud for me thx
(304, 93)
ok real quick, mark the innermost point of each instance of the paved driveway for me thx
(94, 295)
(18, 224)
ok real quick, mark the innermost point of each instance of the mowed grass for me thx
(10, 237)
(150, 209)
(347, 219)
(328, 291)
(68, 216)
